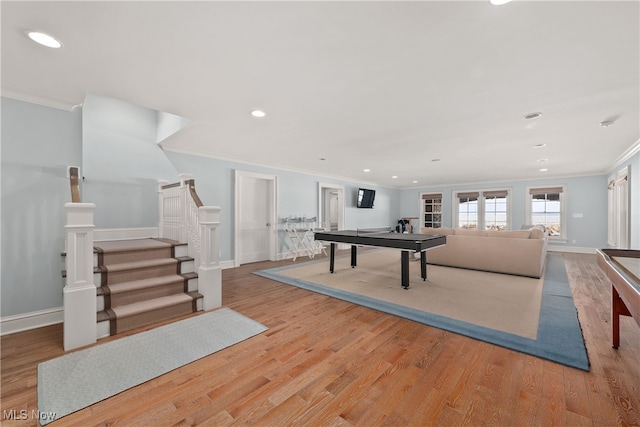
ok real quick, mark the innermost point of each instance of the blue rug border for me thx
(559, 339)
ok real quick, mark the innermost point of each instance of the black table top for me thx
(416, 242)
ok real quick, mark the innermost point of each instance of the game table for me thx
(622, 267)
(408, 243)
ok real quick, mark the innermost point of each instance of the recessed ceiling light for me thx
(499, 2)
(542, 160)
(607, 123)
(531, 116)
(44, 39)
(414, 181)
(258, 113)
(539, 145)
(544, 170)
(394, 176)
(367, 170)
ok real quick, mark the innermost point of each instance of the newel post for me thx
(80, 306)
(209, 272)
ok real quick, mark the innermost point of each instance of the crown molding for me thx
(19, 95)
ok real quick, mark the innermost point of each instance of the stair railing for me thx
(182, 217)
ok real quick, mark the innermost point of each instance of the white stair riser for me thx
(103, 329)
(192, 285)
(187, 267)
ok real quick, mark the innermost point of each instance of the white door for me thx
(255, 213)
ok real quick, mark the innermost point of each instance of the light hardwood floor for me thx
(325, 362)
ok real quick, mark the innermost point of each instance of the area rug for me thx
(77, 380)
(533, 316)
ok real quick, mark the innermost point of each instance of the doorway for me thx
(255, 216)
(331, 207)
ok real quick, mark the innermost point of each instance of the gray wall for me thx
(297, 195)
(38, 143)
(585, 195)
(122, 162)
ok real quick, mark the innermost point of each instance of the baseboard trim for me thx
(103, 234)
(571, 249)
(32, 320)
(227, 264)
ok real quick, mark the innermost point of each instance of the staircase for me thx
(143, 281)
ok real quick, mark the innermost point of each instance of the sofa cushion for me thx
(431, 230)
(536, 233)
(519, 234)
(466, 232)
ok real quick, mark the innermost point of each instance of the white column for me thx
(209, 272)
(161, 183)
(80, 306)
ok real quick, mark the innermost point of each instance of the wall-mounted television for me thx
(365, 198)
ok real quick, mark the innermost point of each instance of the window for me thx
(468, 210)
(482, 210)
(495, 210)
(547, 207)
(432, 210)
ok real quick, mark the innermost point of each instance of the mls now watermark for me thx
(23, 414)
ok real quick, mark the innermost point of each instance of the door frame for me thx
(273, 188)
(341, 206)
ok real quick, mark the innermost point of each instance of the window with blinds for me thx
(482, 210)
(432, 210)
(546, 207)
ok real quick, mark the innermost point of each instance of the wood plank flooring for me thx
(325, 362)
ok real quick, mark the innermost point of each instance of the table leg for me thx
(423, 264)
(332, 256)
(618, 308)
(354, 255)
(404, 259)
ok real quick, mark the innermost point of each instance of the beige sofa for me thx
(521, 252)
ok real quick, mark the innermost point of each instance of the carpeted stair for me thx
(143, 281)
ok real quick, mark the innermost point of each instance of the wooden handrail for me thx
(192, 190)
(74, 181)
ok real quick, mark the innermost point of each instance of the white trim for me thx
(227, 264)
(628, 153)
(564, 215)
(32, 320)
(105, 234)
(274, 211)
(22, 96)
(342, 211)
(455, 211)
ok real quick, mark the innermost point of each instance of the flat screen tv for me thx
(365, 198)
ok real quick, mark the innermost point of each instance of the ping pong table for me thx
(407, 242)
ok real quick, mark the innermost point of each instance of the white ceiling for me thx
(387, 86)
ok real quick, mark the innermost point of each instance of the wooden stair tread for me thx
(130, 245)
(146, 283)
(154, 304)
(140, 264)
(142, 282)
